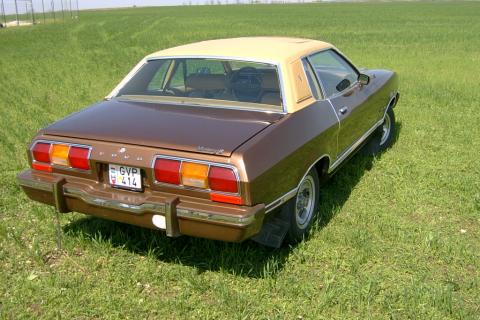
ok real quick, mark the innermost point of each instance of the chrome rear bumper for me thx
(188, 216)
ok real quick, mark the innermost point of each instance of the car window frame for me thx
(318, 86)
(342, 56)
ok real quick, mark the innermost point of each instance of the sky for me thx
(9, 5)
(90, 4)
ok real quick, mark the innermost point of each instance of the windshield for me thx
(234, 83)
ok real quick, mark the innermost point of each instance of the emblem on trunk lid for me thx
(210, 150)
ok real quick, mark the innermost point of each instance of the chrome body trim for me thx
(354, 146)
(210, 217)
(338, 123)
(278, 202)
(113, 204)
(392, 99)
(59, 167)
(202, 105)
(132, 73)
(208, 163)
(146, 207)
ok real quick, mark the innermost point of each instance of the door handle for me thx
(343, 110)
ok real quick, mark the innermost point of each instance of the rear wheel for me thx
(303, 208)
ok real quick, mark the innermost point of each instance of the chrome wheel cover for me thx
(305, 202)
(386, 127)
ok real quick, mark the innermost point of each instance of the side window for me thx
(334, 72)
(312, 80)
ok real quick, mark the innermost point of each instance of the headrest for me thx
(205, 81)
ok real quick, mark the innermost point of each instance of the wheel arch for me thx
(321, 165)
(391, 103)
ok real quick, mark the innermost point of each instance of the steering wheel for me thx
(246, 84)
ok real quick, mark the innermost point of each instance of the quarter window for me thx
(334, 72)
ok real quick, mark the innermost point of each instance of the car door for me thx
(339, 83)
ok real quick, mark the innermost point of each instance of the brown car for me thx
(224, 139)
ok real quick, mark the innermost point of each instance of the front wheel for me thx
(303, 208)
(384, 135)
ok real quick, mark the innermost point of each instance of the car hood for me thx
(177, 127)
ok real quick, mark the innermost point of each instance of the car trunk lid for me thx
(178, 127)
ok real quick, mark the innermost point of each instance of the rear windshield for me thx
(230, 81)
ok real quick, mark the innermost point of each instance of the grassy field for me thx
(400, 234)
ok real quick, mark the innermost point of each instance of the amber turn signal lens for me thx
(195, 175)
(59, 154)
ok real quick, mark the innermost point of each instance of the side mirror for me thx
(363, 79)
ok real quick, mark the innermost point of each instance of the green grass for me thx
(400, 234)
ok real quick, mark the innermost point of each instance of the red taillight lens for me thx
(78, 158)
(41, 152)
(167, 171)
(222, 179)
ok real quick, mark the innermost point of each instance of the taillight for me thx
(46, 154)
(59, 154)
(195, 175)
(222, 179)
(167, 171)
(41, 152)
(78, 157)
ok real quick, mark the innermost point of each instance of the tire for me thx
(384, 135)
(303, 207)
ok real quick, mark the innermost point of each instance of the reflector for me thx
(59, 154)
(42, 167)
(78, 158)
(195, 174)
(167, 171)
(226, 198)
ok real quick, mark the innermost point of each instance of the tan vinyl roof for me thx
(268, 49)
